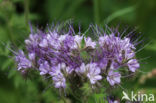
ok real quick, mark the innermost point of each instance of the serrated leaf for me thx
(86, 89)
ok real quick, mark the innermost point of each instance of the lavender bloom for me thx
(113, 77)
(103, 63)
(115, 101)
(44, 43)
(44, 68)
(57, 76)
(91, 71)
(89, 42)
(133, 65)
(116, 50)
(59, 81)
(31, 56)
(59, 73)
(68, 42)
(62, 37)
(71, 58)
(53, 61)
(52, 39)
(33, 39)
(77, 42)
(68, 70)
(57, 69)
(82, 69)
(23, 62)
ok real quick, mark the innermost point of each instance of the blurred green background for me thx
(14, 28)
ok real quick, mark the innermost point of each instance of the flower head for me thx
(59, 81)
(89, 42)
(113, 77)
(113, 101)
(116, 50)
(91, 70)
(133, 65)
(57, 76)
(69, 57)
(77, 42)
(93, 73)
(44, 68)
(23, 62)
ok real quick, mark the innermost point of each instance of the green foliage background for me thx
(14, 28)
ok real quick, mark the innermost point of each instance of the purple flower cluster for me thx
(68, 55)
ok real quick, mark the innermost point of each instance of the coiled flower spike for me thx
(70, 58)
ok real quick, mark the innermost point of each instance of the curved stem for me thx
(26, 11)
(85, 99)
(64, 100)
(97, 11)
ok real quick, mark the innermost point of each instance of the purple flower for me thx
(59, 81)
(54, 61)
(91, 71)
(89, 43)
(113, 101)
(133, 65)
(33, 39)
(77, 42)
(113, 77)
(115, 50)
(103, 63)
(82, 69)
(68, 70)
(43, 43)
(23, 62)
(31, 56)
(58, 74)
(68, 42)
(57, 69)
(44, 68)
(52, 39)
(62, 37)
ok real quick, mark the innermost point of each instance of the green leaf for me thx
(119, 13)
(7, 64)
(100, 98)
(152, 46)
(75, 4)
(87, 90)
(12, 72)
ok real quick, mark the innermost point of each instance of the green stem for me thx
(26, 11)
(85, 99)
(97, 11)
(10, 32)
(119, 13)
(64, 100)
